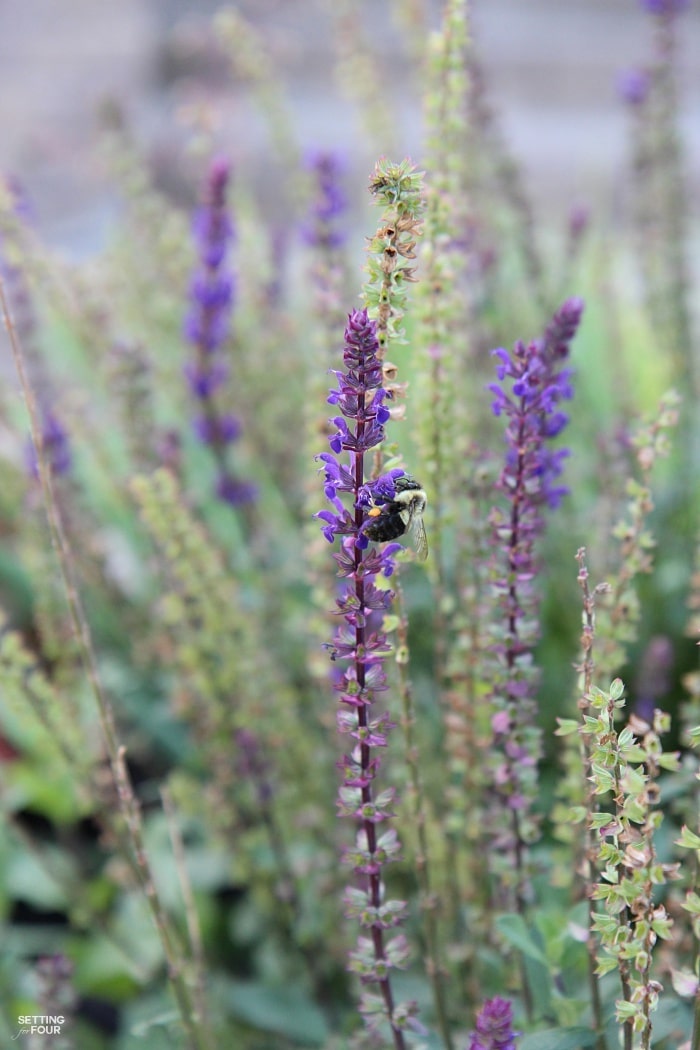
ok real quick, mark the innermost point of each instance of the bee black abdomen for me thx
(388, 526)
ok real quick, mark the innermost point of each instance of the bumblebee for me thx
(401, 514)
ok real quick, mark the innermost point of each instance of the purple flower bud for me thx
(494, 1026)
(633, 86)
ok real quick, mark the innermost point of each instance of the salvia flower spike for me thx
(532, 384)
(360, 647)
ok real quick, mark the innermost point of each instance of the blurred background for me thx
(551, 68)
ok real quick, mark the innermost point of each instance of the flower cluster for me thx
(361, 646)
(494, 1026)
(532, 385)
(531, 403)
(207, 327)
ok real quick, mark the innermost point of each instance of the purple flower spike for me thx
(494, 1026)
(533, 384)
(206, 327)
(359, 648)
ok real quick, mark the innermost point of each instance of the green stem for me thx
(695, 1041)
(435, 970)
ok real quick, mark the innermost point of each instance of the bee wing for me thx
(415, 522)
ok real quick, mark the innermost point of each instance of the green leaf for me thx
(286, 1010)
(566, 726)
(514, 930)
(27, 879)
(692, 903)
(559, 1039)
(103, 968)
(670, 760)
(617, 688)
(688, 839)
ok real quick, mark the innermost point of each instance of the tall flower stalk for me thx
(361, 647)
(532, 384)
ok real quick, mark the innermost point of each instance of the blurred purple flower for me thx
(211, 291)
(633, 86)
(329, 204)
(56, 447)
(221, 430)
(494, 1026)
(664, 7)
(233, 491)
(206, 327)
(205, 378)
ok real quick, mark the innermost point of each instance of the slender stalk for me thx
(695, 1041)
(587, 669)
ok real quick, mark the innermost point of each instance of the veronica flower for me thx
(532, 386)
(361, 646)
(207, 326)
